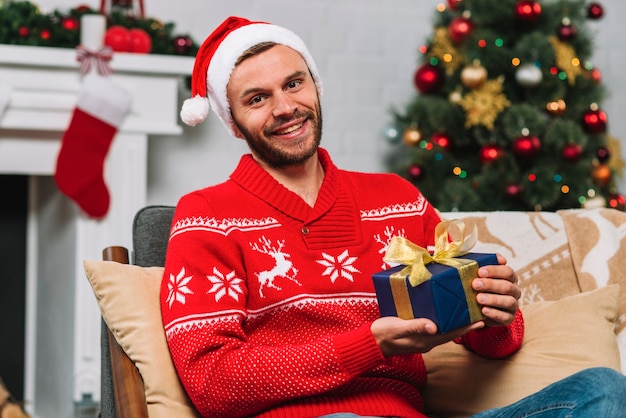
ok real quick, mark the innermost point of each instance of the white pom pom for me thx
(194, 110)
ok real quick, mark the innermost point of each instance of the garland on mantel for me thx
(22, 23)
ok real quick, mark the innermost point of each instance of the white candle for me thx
(92, 28)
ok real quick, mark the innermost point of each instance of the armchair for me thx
(570, 264)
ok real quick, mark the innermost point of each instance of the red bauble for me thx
(415, 172)
(140, 41)
(566, 32)
(594, 121)
(460, 28)
(441, 139)
(118, 38)
(428, 79)
(617, 201)
(490, 153)
(527, 10)
(69, 23)
(571, 152)
(595, 11)
(182, 45)
(603, 154)
(23, 31)
(454, 4)
(527, 146)
(513, 190)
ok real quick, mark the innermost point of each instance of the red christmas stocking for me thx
(100, 109)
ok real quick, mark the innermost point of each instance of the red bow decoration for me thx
(100, 58)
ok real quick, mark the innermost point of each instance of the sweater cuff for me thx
(357, 350)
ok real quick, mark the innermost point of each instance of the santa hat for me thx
(216, 59)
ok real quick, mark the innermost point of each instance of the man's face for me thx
(275, 107)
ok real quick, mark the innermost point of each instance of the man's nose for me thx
(284, 104)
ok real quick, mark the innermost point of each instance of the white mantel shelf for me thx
(45, 103)
(62, 318)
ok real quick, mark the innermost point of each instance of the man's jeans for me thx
(592, 393)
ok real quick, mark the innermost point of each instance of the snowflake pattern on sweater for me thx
(267, 302)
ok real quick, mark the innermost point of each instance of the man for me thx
(267, 296)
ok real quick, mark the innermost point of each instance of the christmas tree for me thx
(507, 114)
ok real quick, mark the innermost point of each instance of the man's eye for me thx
(294, 84)
(256, 99)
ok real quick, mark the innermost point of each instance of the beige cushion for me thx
(128, 297)
(562, 337)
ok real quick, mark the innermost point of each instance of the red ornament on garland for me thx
(441, 139)
(182, 44)
(428, 79)
(460, 28)
(118, 38)
(69, 23)
(45, 34)
(140, 41)
(617, 201)
(23, 31)
(571, 152)
(490, 153)
(595, 11)
(594, 121)
(527, 146)
(527, 10)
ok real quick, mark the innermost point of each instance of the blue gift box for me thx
(443, 298)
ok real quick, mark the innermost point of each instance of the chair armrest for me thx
(128, 387)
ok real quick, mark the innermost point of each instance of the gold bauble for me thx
(601, 174)
(412, 136)
(473, 75)
(556, 107)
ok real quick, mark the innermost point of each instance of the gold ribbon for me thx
(451, 241)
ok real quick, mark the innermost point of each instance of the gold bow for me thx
(451, 241)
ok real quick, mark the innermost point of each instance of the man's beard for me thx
(272, 154)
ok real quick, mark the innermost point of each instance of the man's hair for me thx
(254, 50)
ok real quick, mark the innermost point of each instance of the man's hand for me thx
(498, 293)
(397, 336)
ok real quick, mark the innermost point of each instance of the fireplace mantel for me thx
(63, 321)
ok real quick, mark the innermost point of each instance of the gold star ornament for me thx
(484, 104)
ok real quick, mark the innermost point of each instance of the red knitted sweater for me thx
(267, 302)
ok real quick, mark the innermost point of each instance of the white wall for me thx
(366, 51)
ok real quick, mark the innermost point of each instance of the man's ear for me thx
(236, 130)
